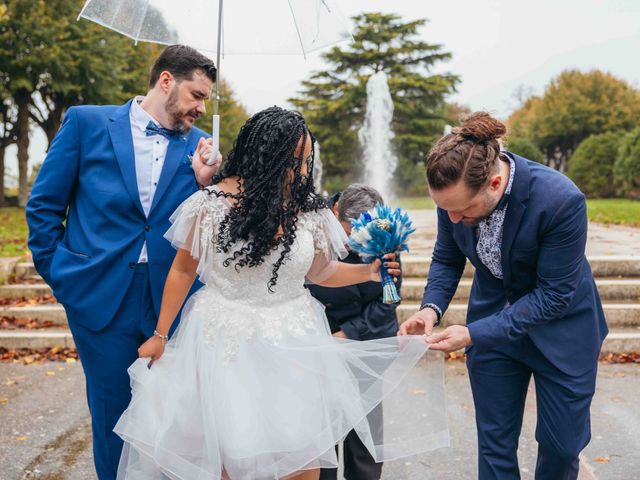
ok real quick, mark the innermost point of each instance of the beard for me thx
(490, 205)
(176, 114)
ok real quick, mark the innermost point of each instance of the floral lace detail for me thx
(236, 305)
(234, 325)
(313, 223)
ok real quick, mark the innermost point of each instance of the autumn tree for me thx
(574, 106)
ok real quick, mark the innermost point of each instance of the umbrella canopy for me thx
(233, 27)
(249, 26)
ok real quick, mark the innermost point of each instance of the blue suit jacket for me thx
(88, 179)
(547, 292)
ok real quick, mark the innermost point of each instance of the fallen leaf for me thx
(50, 373)
(4, 401)
(601, 459)
(419, 391)
(23, 438)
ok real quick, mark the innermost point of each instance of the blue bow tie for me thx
(153, 129)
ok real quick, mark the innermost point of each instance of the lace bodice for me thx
(319, 242)
(236, 305)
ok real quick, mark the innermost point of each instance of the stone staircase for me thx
(617, 278)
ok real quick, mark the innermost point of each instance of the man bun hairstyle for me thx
(469, 153)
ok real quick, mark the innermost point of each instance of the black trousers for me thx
(358, 462)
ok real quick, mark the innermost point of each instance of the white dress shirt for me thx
(149, 152)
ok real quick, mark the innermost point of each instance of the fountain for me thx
(317, 170)
(375, 137)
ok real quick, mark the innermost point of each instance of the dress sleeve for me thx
(329, 243)
(193, 225)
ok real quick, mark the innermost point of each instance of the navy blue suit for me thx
(86, 231)
(544, 318)
(359, 312)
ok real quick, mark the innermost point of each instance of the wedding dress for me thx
(252, 382)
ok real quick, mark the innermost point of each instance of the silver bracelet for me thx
(436, 309)
(164, 338)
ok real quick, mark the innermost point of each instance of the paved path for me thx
(45, 434)
(602, 239)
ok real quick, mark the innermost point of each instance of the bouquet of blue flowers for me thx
(378, 232)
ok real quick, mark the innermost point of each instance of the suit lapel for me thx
(122, 141)
(515, 210)
(175, 152)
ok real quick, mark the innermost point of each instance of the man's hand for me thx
(203, 153)
(451, 339)
(393, 267)
(419, 323)
(340, 334)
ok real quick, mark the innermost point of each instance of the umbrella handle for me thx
(215, 136)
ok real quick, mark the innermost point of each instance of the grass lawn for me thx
(617, 211)
(13, 232)
(414, 203)
(13, 227)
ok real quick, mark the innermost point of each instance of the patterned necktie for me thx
(153, 129)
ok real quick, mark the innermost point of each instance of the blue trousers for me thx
(106, 355)
(499, 381)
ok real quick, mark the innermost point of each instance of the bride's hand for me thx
(152, 348)
(393, 267)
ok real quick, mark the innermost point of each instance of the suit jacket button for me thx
(132, 264)
(147, 227)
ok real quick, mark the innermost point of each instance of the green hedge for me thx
(591, 165)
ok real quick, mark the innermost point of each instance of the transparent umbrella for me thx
(276, 27)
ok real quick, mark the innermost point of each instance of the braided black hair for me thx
(272, 190)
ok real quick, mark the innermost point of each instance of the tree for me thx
(232, 116)
(574, 106)
(7, 134)
(626, 169)
(51, 61)
(334, 101)
(525, 148)
(591, 166)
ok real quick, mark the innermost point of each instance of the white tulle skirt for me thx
(261, 397)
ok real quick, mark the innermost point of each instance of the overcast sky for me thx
(497, 46)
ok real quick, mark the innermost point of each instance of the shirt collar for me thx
(507, 193)
(139, 116)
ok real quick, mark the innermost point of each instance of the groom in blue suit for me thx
(97, 214)
(534, 310)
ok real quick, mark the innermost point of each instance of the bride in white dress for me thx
(252, 385)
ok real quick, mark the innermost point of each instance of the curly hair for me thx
(272, 190)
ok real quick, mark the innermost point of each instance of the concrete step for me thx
(602, 266)
(611, 289)
(622, 341)
(53, 312)
(27, 290)
(44, 338)
(619, 315)
(418, 266)
(25, 269)
(618, 341)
